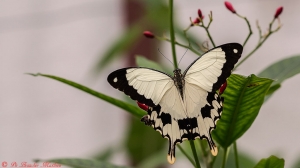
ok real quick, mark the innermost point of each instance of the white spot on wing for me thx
(235, 50)
(116, 79)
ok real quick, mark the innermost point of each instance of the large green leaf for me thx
(271, 162)
(243, 98)
(281, 71)
(136, 111)
(78, 163)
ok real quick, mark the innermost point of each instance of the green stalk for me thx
(224, 157)
(202, 145)
(172, 35)
(195, 153)
(182, 45)
(236, 154)
(186, 155)
(207, 31)
(249, 27)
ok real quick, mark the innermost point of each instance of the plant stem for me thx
(182, 45)
(256, 48)
(209, 36)
(249, 26)
(206, 29)
(195, 153)
(202, 145)
(224, 158)
(172, 35)
(236, 155)
(260, 42)
(205, 157)
(211, 163)
(186, 155)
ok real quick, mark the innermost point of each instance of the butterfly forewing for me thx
(212, 69)
(145, 85)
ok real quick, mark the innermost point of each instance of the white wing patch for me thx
(205, 71)
(173, 104)
(194, 99)
(149, 83)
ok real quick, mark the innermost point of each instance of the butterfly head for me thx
(177, 72)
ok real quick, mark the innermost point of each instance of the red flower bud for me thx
(229, 6)
(148, 34)
(223, 87)
(196, 21)
(142, 106)
(200, 14)
(278, 12)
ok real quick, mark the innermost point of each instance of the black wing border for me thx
(231, 59)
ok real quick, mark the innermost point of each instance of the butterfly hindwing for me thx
(178, 130)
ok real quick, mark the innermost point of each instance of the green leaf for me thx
(296, 163)
(143, 141)
(271, 162)
(106, 154)
(136, 111)
(281, 71)
(243, 98)
(155, 160)
(125, 41)
(245, 159)
(273, 88)
(144, 62)
(80, 163)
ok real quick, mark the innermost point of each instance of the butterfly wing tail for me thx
(171, 154)
(212, 146)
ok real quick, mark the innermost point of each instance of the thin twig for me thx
(182, 45)
(249, 27)
(206, 28)
(270, 31)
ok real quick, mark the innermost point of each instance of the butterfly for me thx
(185, 106)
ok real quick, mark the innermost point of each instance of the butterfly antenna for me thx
(164, 56)
(183, 55)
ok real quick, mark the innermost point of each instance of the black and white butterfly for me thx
(185, 106)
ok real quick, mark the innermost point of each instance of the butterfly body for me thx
(185, 106)
(178, 81)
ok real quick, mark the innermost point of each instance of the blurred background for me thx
(85, 40)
